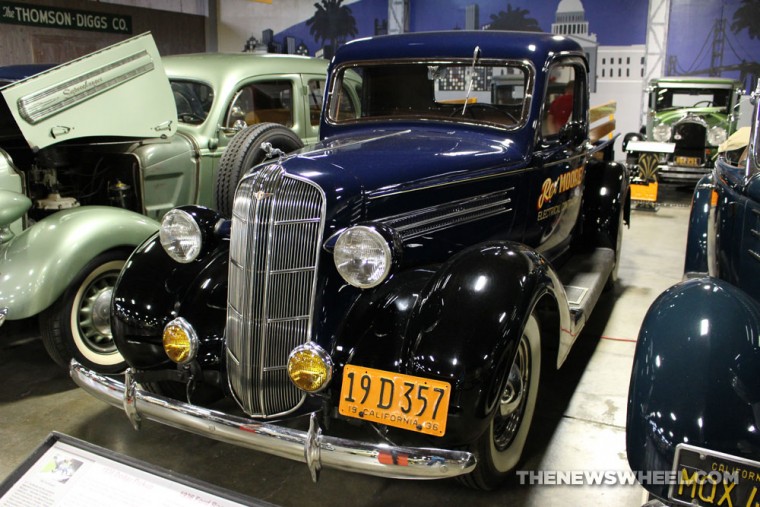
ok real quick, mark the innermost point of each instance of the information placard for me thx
(64, 471)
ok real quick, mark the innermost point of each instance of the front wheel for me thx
(78, 324)
(500, 447)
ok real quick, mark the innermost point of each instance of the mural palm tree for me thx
(332, 22)
(514, 19)
(746, 17)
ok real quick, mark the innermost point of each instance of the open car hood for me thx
(119, 91)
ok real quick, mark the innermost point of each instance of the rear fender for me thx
(37, 265)
(695, 376)
(607, 193)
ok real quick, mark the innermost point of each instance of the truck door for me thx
(557, 178)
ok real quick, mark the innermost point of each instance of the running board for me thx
(584, 278)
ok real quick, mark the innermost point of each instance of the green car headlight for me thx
(180, 236)
(661, 133)
(363, 257)
(716, 136)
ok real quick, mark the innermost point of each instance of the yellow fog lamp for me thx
(310, 367)
(180, 341)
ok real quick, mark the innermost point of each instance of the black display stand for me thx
(66, 471)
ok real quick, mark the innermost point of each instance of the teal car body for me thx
(95, 151)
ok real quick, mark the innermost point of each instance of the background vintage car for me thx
(694, 397)
(688, 118)
(413, 273)
(104, 166)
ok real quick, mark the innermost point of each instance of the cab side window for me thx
(563, 99)
(264, 101)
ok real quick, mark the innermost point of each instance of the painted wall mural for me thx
(714, 38)
(705, 37)
(364, 18)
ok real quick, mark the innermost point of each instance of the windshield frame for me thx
(691, 89)
(337, 82)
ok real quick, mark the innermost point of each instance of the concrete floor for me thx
(579, 423)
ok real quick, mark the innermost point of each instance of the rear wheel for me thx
(500, 447)
(78, 324)
(245, 151)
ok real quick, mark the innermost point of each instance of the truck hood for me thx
(385, 161)
(120, 91)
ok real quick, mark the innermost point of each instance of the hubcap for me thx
(95, 314)
(513, 398)
(101, 312)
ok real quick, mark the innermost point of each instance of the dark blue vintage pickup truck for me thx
(408, 277)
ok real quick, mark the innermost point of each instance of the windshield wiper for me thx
(475, 58)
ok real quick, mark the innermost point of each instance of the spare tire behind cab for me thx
(243, 152)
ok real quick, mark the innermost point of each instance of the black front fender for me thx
(154, 289)
(695, 376)
(467, 323)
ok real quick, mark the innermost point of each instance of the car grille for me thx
(690, 139)
(277, 226)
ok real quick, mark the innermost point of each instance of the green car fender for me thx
(37, 265)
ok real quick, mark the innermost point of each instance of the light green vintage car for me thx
(688, 118)
(114, 146)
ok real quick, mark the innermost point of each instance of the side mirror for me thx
(573, 132)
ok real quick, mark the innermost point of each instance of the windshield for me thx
(676, 98)
(494, 93)
(193, 101)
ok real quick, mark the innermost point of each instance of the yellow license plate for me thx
(688, 161)
(404, 401)
(705, 477)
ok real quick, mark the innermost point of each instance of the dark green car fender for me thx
(694, 376)
(699, 218)
(37, 265)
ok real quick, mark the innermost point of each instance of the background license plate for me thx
(697, 471)
(383, 397)
(688, 161)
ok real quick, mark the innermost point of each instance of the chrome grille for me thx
(277, 226)
(690, 136)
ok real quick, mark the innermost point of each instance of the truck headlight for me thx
(310, 367)
(661, 133)
(180, 341)
(716, 136)
(180, 236)
(363, 256)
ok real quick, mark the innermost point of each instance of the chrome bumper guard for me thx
(3, 315)
(310, 447)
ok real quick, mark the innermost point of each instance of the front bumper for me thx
(681, 173)
(310, 447)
